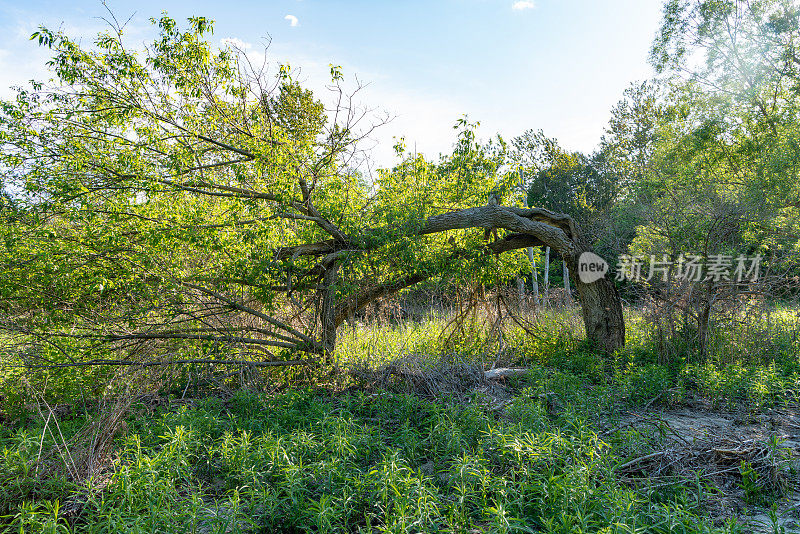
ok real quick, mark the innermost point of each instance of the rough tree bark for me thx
(602, 308)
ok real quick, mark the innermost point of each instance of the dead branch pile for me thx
(425, 375)
(721, 459)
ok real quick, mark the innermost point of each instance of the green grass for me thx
(306, 461)
(365, 460)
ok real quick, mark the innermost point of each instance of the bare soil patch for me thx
(748, 461)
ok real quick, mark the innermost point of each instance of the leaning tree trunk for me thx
(602, 308)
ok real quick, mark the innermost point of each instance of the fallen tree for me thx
(182, 195)
(602, 310)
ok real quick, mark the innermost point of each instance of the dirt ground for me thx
(696, 438)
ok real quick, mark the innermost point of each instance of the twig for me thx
(640, 459)
(90, 363)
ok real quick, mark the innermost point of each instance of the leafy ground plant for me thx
(309, 461)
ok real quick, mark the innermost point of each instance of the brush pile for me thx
(740, 466)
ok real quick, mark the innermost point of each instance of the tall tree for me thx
(721, 177)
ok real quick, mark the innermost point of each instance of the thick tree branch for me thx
(544, 227)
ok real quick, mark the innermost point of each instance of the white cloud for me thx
(236, 43)
(292, 20)
(522, 5)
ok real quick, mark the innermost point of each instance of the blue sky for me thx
(555, 65)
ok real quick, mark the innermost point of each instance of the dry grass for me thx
(429, 376)
(88, 453)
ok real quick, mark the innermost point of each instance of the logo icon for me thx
(591, 267)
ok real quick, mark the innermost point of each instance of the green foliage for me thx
(122, 220)
(640, 385)
(562, 181)
(752, 491)
(316, 461)
(150, 182)
(720, 174)
(137, 180)
(390, 462)
(416, 189)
